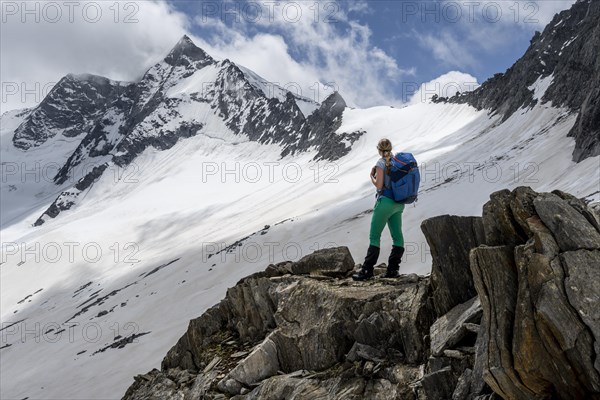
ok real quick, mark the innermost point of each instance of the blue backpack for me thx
(405, 179)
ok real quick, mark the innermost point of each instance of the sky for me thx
(372, 52)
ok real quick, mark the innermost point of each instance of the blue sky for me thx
(373, 52)
(418, 40)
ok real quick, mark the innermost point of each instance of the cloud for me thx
(482, 27)
(448, 49)
(320, 47)
(542, 12)
(359, 7)
(446, 85)
(117, 40)
(325, 44)
(528, 15)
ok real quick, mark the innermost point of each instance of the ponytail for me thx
(385, 146)
(388, 161)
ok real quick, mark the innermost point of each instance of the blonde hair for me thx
(385, 146)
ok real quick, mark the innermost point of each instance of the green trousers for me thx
(386, 211)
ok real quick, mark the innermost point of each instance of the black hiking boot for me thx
(393, 267)
(366, 272)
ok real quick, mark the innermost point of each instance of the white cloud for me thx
(324, 45)
(484, 27)
(320, 47)
(528, 15)
(338, 52)
(544, 11)
(448, 49)
(446, 85)
(39, 54)
(359, 7)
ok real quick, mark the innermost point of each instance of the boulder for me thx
(365, 352)
(539, 330)
(570, 228)
(454, 326)
(499, 222)
(542, 237)
(336, 261)
(439, 384)
(463, 387)
(521, 206)
(281, 387)
(590, 212)
(530, 356)
(286, 323)
(582, 287)
(261, 363)
(495, 276)
(450, 238)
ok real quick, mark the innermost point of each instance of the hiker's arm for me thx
(377, 180)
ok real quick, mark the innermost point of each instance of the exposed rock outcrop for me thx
(74, 105)
(450, 239)
(510, 311)
(540, 300)
(566, 56)
(293, 329)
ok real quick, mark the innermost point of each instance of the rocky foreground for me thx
(510, 310)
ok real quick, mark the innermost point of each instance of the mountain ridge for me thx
(129, 117)
(172, 241)
(568, 49)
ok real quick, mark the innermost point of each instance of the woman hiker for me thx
(386, 211)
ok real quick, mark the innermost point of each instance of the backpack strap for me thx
(384, 175)
(410, 164)
(386, 190)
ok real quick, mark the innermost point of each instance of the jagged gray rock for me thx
(497, 287)
(537, 300)
(500, 224)
(582, 285)
(568, 51)
(450, 238)
(542, 237)
(452, 327)
(361, 351)
(117, 121)
(439, 384)
(463, 387)
(294, 322)
(329, 261)
(590, 211)
(261, 363)
(530, 329)
(571, 229)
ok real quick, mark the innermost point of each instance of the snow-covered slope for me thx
(273, 90)
(170, 190)
(562, 66)
(145, 249)
(109, 123)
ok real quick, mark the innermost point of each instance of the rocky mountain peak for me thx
(90, 78)
(561, 66)
(234, 72)
(70, 109)
(334, 103)
(185, 52)
(131, 116)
